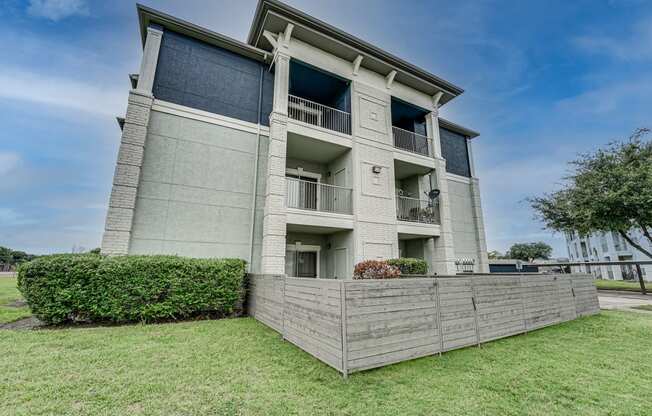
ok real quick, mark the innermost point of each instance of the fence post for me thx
(345, 348)
(641, 282)
(439, 326)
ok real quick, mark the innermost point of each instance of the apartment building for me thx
(304, 151)
(608, 246)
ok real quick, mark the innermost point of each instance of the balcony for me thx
(316, 196)
(319, 115)
(417, 210)
(412, 142)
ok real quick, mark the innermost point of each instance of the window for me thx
(455, 151)
(604, 243)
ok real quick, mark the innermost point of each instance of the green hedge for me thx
(410, 266)
(93, 288)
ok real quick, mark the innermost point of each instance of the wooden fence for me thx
(354, 325)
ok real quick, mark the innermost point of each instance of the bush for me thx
(375, 269)
(92, 288)
(410, 266)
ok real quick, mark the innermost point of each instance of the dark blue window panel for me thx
(454, 150)
(195, 74)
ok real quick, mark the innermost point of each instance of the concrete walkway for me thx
(610, 299)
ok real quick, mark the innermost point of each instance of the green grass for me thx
(643, 307)
(621, 285)
(600, 365)
(8, 294)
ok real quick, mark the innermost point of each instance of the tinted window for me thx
(195, 74)
(453, 149)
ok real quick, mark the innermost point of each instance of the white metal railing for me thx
(412, 142)
(318, 196)
(417, 210)
(319, 115)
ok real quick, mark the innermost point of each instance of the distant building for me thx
(512, 266)
(608, 246)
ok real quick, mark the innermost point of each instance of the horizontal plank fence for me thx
(354, 325)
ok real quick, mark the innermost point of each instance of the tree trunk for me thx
(635, 245)
(641, 282)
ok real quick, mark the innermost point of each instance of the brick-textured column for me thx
(274, 219)
(122, 203)
(478, 219)
(117, 231)
(443, 246)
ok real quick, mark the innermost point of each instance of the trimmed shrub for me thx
(92, 288)
(375, 269)
(410, 265)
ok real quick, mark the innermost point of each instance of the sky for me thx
(543, 81)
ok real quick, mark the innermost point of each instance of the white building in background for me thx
(608, 246)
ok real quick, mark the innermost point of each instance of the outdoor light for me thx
(376, 169)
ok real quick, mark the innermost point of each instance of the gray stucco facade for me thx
(219, 159)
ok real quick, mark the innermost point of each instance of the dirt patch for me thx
(16, 304)
(25, 323)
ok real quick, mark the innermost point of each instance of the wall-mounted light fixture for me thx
(376, 169)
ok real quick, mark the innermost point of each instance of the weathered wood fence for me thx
(354, 325)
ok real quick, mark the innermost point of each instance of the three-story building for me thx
(304, 151)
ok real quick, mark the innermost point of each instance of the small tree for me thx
(608, 190)
(494, 255)
(529, 251)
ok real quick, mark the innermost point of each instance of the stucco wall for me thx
(195, 191)
(464, 232)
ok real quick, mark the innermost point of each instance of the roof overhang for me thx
(148, 16)
(273, 16)
(449, 125)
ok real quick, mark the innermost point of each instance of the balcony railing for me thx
(417, 210)
(319, 115)
(318, 196)
(412, 142)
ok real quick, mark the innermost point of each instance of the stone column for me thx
(274, 219)
(122, 203)
(150, 59)
(443, 246)
(478, 219)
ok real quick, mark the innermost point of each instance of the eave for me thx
(273, 15)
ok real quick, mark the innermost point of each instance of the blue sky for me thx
(544, 81)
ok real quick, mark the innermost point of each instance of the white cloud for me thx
(9, 217)
(8, 162)
(637, 45)
(627, 97)
(62, 92)
(56, 10)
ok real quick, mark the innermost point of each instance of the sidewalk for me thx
(611, 299)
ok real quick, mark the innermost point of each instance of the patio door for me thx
(302, 260)
(306, 264)
(303, 194)
(341, 260)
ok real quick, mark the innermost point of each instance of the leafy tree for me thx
(10, 258)
(494, 255)
(608, 190)
(529, 251)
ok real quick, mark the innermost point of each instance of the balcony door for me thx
(302, 261)
(304, 191)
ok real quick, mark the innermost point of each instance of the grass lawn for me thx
(643, 307)
(8, 295)
(599, 365)
(621, 285)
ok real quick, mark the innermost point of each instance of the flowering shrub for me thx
(375, 269)
(410, 265)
